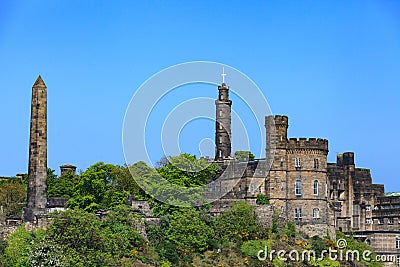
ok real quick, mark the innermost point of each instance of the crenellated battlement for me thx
(310, 143)
(281, 120)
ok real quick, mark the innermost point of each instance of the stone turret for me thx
(223, 124)
(37, 169)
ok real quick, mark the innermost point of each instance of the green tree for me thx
(290, 229)
(46, 252)
(156, 235)
(244, 155)
(188, 171)
(184, 170)
(79, 235)
(97, 189)
(12, 196)
(87, 240)
(188, 232)
(62, 186)
(239, 219)
(17, 250)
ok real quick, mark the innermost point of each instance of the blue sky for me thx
(332, 66)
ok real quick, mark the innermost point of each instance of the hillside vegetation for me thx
(182, 237)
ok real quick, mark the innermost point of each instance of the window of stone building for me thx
(368, 242)
(381, 221)
(398, 260)
(298, 213)
(297, 162)
(398, 243)
(368, 221)
(260, 189)
(298, 188)
(368, 208)
(355, 222)
(316, 164)
(315, 213)
(356, 210)
(390, 221)
(220, 113)
(316, 188)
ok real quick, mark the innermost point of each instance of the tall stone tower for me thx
(223, 122)
(37, 169)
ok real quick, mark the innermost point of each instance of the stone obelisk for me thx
(37, 169)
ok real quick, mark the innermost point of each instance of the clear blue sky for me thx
(332, 66)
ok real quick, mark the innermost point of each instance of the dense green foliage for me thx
(12, 194)
(99, 229)
(262, 199)
(241, 155)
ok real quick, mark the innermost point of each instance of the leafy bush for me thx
(252, 247)
(238, 221)
(275, 226)
(262, 199)
(244, 155)
(290, 229)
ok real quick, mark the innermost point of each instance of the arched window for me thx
(298, 188)
(315, 213)
(315, 188)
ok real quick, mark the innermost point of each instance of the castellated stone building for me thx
(297, 182)
(319, 197)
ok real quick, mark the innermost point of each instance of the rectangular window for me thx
(381, 221)
(398, 260)
(368, 208)
(397, 243)
(300, 213)
(355, 222)
(368, 221)
(316, 164)
(390, 221)
(296, 213)
(220, 113)
(297, 163)
(356, 210)
(315, 188)
(316, 213)
(298, 188)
